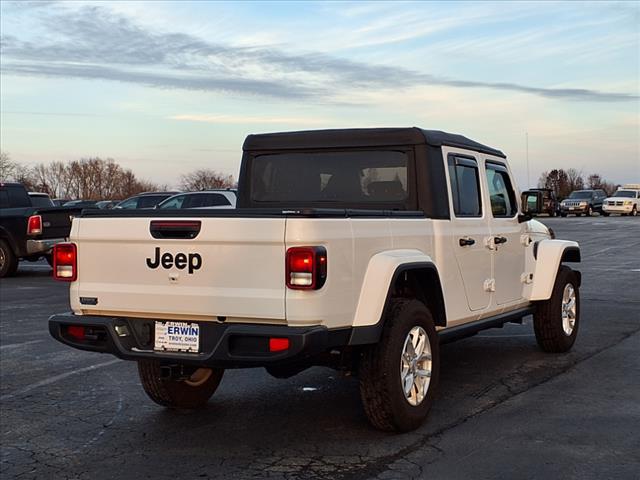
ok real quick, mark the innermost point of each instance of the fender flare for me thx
(549, 254)
(383, 270)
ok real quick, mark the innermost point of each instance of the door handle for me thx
(499, 240)
(466, 242)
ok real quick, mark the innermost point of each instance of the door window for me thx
(174, 202)
(501, 193)
(200, 200)
(465, 186)
(129, 204)
(150, 201)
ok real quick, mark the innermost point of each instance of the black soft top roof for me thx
(362, 137)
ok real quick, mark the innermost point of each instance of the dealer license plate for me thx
(177, 337)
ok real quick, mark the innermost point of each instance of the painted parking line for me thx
(57, 378)
(12, 346)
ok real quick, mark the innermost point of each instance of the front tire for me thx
(634, 211)
(399, 375)
(8, 260)
(589, 211)
(556, 320)
(191, 393)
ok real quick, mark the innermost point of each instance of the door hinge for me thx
(490, 285)
(526, 278)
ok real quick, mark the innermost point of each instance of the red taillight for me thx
(278, 344)
(65, 266)
(306, 268)
(34, 225)
(76, 332)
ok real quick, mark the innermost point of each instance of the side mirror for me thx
(532, 204)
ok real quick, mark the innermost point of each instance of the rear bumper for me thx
(42, 246)
(221, 345)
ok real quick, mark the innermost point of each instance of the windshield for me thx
(625, 194)
(332, 179)
(580, 194)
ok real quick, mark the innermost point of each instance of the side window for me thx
(130, 204)
(465, 186)
(217, 200)
(18, 197)
(501, 193)
(4, 199)
(175, 202)
(194, 200)
(150, 201)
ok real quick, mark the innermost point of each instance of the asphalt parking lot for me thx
(505, 409)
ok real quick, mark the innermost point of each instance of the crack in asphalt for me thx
(377, 468)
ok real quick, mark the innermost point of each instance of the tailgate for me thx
(233, 268)
(56, 222)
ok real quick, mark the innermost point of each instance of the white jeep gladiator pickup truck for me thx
(359, 249)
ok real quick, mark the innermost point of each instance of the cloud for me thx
(92, 42)
(248, 119)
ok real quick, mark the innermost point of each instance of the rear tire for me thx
(557, 320)
(405, 359)
(8, 260)
(180, 394)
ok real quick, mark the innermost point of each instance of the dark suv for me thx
(550, 204)
(583, 201)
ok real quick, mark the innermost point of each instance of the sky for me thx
(167, 87)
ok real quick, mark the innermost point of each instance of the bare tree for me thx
(203, 179)
(87, 178)
(542, 180)
(574, 177)
(24, 175)
(556, 180)
(7, 167)
(594, 181)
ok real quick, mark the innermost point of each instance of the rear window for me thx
(356, 178)
(41, 201)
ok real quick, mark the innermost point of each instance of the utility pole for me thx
(526, 135)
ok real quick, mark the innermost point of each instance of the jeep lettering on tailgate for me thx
(180, 261)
